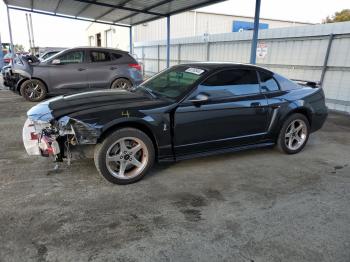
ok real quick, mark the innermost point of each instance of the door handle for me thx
(81, 69)
(113, 68)
(255, 104)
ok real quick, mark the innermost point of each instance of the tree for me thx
(342, 16)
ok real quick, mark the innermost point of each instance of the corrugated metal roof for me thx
(125, 12)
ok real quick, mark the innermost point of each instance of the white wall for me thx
(193, 23)
(120, 35)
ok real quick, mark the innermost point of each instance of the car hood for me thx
(64, 105)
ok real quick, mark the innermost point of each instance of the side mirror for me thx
(200, 98)
(56, 62)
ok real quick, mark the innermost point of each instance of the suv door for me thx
(70, 74)
(100, 69)
(234, 114)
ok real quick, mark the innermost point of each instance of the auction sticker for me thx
(195, 71)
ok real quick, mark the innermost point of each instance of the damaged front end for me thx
(44, 135)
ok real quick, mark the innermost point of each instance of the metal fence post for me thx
(143, 60)
(168, 41)
(208, 51)
(130, 40)
(158, 56)
(325, 62)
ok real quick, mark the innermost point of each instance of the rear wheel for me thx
(33, 90)
(294, 134)
(121, 83)
(125, 156)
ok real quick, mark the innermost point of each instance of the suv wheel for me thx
(121, 83)
(294, 134)
(33, 90)
(124, 156)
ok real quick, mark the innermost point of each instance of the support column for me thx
(255, 33)
(1, 55)
(10, 33)
(168, 41)
(130, 40)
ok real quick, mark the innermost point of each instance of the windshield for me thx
(174, 82)
(53, 56)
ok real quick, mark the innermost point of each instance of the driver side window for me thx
(74, 57)
(229, 83)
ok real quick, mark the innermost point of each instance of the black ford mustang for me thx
(186, 111)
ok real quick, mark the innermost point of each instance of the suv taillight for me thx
(136, 66)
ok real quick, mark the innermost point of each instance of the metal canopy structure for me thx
(126, 13)
(114, 12)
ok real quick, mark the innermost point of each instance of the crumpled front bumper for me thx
(38, 144)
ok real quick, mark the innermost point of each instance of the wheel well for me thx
(302, 111)
(121, 78)
(25, 79)
(135, 125)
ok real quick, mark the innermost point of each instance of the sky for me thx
(60, 32)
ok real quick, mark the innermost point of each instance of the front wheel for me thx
(33, 90)
(125, 156)
(294, 134)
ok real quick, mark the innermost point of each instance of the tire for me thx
(33, 90)
(124, 166)
(121, 83)
(294, 134)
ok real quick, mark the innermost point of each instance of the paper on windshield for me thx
(195, 71)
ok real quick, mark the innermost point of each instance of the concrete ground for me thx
(258, 205)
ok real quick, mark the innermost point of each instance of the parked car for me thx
(7, 59)
(186, 111)
(17, 71)
(75, 70)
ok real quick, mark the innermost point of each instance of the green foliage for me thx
(342, 16)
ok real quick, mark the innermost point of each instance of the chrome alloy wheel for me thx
(296, 134)
(127, 158)
(33, 90)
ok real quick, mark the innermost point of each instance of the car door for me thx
(68, 72)
(232, 113)
(100, 69)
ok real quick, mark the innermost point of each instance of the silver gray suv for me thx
(78, 69)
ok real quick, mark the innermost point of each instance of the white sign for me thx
(195, 71)
(261, 50)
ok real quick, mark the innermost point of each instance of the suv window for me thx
(268, 83)
(73, 57)
(115, 56)
(98, 56)
(233, 82)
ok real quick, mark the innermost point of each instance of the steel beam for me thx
(255, 32)
(130, 39)
(1, 55)
(58, 6)
(146, 9)
(68, 17)
(112, 9)
(168, 41)
(325, 62)
(10, 33)
(118, 7)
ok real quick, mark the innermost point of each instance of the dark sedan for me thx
(75, 70)
(186, 111)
